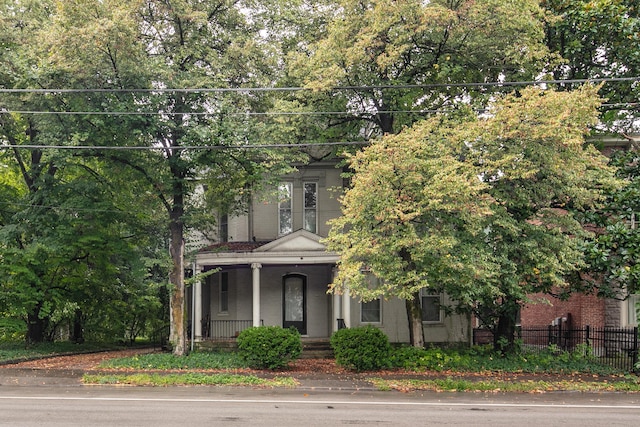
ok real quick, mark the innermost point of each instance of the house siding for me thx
(454, 329)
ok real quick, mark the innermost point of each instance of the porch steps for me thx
(316, 349)
(312, 348)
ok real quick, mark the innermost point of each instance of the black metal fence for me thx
(224, 329)
(616, 347)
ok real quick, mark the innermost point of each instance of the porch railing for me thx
(225, 329)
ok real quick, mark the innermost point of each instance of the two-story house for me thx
(273, 269)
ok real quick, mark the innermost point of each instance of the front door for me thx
(294, 302)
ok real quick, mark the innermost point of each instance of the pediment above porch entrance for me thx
(298, 248)
(298, 241)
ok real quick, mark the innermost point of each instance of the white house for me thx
(273, 269)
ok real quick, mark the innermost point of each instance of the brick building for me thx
(582, 310)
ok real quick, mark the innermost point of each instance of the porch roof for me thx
(299, 247)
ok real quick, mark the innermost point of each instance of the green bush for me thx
(361, 349)
(269, 347)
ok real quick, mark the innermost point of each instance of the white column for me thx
(197, 289)
(346, 307)
(255, 267)
(337, 312)
(336, 305)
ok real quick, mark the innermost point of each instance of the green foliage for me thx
(598, 39)
(361, 349)
(194, 378)
(269, 347)
(195, 360)
(630, 384)
(11, 329)
(613, 253)
(485, 358)
(480, 208)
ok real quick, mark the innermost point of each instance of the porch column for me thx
(336, 305)
(197, 309)
(346, 307)
(255, 270)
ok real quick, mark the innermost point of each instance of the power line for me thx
(180, 148)
(620, 105)
(336, 88)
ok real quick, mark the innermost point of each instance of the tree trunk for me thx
(505, 335)
(35, 327)
(414, 315)
(176, 278)
(77, 333)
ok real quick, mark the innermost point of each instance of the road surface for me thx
(219, 406)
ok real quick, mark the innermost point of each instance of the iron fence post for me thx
(635, 349)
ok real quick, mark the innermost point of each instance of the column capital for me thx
(256, 265)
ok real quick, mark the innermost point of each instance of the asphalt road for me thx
(216, 406)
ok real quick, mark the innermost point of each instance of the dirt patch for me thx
(76, 361)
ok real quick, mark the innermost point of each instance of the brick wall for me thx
(584, 310)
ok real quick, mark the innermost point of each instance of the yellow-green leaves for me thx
(481, 208)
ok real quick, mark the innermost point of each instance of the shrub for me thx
(361, 349)
(269, 347)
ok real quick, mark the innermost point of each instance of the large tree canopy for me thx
(389, 43)
(481, 209)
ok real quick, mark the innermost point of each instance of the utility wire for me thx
(180, 148)
(336, 88)
(621, 105)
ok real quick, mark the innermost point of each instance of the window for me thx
(285, 217)
(223, 230)
(224, 292)
(431, 301)
(633, 305)
(371, 312)
(310, 206)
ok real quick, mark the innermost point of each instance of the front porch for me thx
(279, 283)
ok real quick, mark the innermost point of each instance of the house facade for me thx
(270, 267)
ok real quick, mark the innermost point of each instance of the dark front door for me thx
(294, 296)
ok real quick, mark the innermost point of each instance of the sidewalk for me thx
(73, 377)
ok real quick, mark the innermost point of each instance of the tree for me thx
(599, 39)
(381, 54)
(184, 55)
(395, 46)
(613, 270)
(541, 175)
(409, 218)
(72, 232)
(482, 209)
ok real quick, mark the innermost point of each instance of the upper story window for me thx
(223, 228)
(285, 205)
(311, 206)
